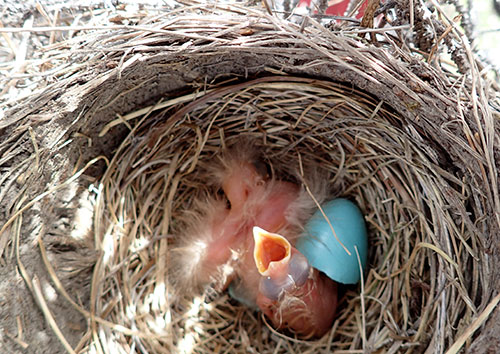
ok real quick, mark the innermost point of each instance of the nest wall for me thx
(426, 164)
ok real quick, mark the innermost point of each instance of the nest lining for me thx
(395, 151)
(390, 172)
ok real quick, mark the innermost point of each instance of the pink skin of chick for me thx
(216, 244)
(253, 201)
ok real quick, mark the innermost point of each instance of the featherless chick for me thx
(245, 242)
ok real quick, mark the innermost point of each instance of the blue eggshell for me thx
(322, 249)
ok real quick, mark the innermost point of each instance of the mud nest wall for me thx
(98, 167)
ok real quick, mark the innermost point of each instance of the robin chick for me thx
(221, 247)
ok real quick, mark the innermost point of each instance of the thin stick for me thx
(101, 28)
(37, 290)
(474, 326)
(362, 297)
(319, 207)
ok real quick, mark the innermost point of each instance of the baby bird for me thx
(225, 245)
(292, 294)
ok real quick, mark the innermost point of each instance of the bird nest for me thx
(102, 164)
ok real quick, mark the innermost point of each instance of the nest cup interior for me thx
(372, 158)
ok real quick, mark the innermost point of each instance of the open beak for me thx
(271, 252)
(282, 267)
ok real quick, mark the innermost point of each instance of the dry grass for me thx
(157, 172)
(425, 179)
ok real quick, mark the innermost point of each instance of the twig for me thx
(469, 331)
